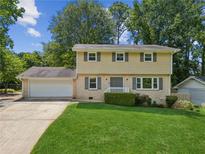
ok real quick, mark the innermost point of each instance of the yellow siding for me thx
(157, 95)
(133, 66)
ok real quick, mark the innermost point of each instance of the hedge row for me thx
(126, 99)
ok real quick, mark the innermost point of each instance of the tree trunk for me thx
(203, 62)
(118, 35)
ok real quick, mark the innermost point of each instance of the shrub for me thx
(143, 100)
(125, 99)
(170, 100)
(184, 104)
(8, 90)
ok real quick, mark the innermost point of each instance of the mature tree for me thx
(200, 37)
(120, 14)
(168, 22)
(9, 12)
(31, 59)
(13, 65)
(83, 21)
(55, 55)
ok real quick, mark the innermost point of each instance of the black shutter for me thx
(98, 56)
(99, 82)
(126, 56)
(113, 56)
(86, 82)
(154, 57)
(134, 83)
(160, 83)
(85, 56)
(141, 56)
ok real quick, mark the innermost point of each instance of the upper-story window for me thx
(92, 56)
(148, 57)
(120, 57)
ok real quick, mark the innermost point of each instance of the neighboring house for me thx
(144, 69)
(193, 86)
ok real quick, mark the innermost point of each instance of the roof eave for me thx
(122, 50)
(184, 81)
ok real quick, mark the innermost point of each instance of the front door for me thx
(116, 81)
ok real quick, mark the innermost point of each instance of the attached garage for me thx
(48, 82)
(195, 87)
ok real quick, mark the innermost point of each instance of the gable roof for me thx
(128, 48)
(200, 79)
(48, 72)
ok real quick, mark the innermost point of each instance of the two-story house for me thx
(144, 69)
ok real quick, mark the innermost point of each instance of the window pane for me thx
(155, 83)
(91, 56)
(148, 57)
(93, 83)
(147, 83)
(139, 83)
(120, 56)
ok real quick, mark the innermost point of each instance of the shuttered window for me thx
(92, 56)
(145, 83)
(148, 57)
(92, 83)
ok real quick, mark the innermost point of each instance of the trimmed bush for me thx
(170, 100)
(184, 104)
(143, 100)
(125, 99)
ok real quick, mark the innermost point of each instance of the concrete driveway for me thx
(22, 123)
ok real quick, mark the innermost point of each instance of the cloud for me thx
(31, 13)
(33, 32)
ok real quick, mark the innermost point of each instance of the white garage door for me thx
(50, 88)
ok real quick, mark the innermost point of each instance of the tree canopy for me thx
(173, 23)
(9, 13)
(120, 14)
(82, 21)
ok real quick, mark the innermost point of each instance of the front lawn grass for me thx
(101, 128)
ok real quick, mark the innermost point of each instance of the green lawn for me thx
(100, 128)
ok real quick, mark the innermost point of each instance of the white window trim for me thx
(151, 57)
(95, 57)
(96, 83)
(123, 56)
(141, 88)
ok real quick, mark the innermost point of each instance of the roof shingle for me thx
(48, 72)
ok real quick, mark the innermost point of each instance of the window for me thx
(148, 57)
(155, 83)
(92, 83)
(147, 83)
(138, 83)
(120, 57)
(92, 56)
